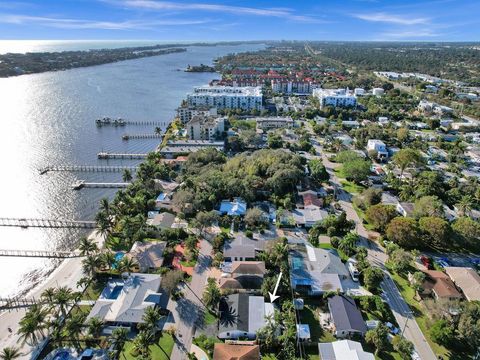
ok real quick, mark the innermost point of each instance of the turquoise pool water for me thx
(115, 292)
(118, 256)
(297, 262)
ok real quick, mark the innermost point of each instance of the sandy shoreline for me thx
(66, 274)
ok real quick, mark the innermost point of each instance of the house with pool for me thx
(123, 302)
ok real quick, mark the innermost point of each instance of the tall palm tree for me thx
(64, 297)
(118, 340)
(105, 206)
(127, 175)
(104, 223)
(83, 282)
(127, 265)
(90, 265)
(87, 246)
(95, 326)
(151, 317)
(47, 295)
(107, 259)
(464, 205)
(142, 342)
(10, 353)
(33, 323)
(74, 326)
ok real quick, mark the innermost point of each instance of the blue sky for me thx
(211, 20)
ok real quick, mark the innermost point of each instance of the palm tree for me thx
(48, 295)
(90, 265)
(158, 130)
(142, 342)
(33, 322)
(74, 326)
(104, 223)
(64, 297)
(10, 353)
(127, 265)
(464, 205)
(151, 317)
(95, 326)
(105, 206)
(118, 340)
(83, 282)
(127, 175)
(107, 258)
(87, 246)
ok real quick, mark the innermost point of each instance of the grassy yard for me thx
(209, 318)
(310, 315)
(95, 288)
(325, 246)
(159, 351)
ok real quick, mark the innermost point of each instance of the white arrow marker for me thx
(274, 296)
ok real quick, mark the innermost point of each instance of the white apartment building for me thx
(205, 127)
(226, 97)
(378, 146)
(335, 97)
(186, 113)
(267, 123)
(291, 87)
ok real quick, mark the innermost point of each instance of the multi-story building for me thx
(291, 87)
(186, 113)
(223, 97)
(335, 97)
(205, 127)
(267, 123)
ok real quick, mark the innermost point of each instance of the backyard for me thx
(161, 350)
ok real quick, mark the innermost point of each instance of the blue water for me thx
(115, 292)
(297, 263)
(49, 119)
(118, 256)
(62, 355)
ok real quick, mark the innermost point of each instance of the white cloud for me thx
(392, 19)
(409, 35)
(66, 23)
(239, 10)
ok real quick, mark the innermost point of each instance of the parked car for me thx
(443, 263)
(426, 261)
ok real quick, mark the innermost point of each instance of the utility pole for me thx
(409, 313)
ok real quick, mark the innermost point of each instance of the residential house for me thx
(378, 91)
(346, 317)
(162, 220)
(438, 285)
(243, 275)
(236, 351)
(123, 302)
(239, 252)
(242, 315)
(467, 279)
(316, 271)
(310, 197)
(379, 147)
(343, 350)
(179, 147)
(308, 216)
(405, 208)
(148, 255)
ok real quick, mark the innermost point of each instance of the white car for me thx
(415, 355)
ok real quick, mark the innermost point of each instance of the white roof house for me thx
(335, 97)
(343, 350)
(123, 302)
(378, 146)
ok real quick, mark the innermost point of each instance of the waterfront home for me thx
(123, 302)
(242, 315)
(148, 255)
(179, 147)
(243, 350)
(162, 220)
(243, 275)
(467, 279)
(343, 350)
(316, 271)
(346, 317)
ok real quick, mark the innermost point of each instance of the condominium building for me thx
(292, 87)
(267, 123)
(225, 97)
(186, 113)
(335, 97)
(202, 127)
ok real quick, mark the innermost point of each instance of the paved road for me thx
(377, 256)
(187, 311)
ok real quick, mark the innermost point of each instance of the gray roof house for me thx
(123, 302)
(148, 255)
(242, 315)
(346, 317)
(162, 220)
(343, 350)
(308, 216)
(315, 270)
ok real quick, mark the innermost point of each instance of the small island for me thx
(13, 64)
(200, 68)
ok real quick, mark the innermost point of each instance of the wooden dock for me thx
(107, 155)
(141, 136)
(40, 254)
(46, 223)
(80, 184)
(86, 168)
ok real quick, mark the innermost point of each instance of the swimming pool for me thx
(61, 355)
(118, 257)
(297, 262)
(115, 292)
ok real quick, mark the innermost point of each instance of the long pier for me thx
(122, 122)
(39, 254)
(86, 168)
(80, 184)
(107, 155)
(18, 302)
(141, 136)
(46, 223)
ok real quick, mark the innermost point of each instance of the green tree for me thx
(380, 215)
(348, 244)
(469, 325)
(127, 265)
(32, 324)
(87, 246)
(428, 206)
(211, 294)
(400, 260)
(150, 318)
(378, 337)
(142, 342)
(467, 229)
(372, 277)
(95, 326)
(404, 232)
(10, 353)
(403, 347)
(442, 332)
(90, 265)
(255, 217)
(357, 170)
(405, 158)
(317, 171)
(437, 231)
(171, 279)
(118, 339)
(64, 298)
(127, 175)
(464, 205)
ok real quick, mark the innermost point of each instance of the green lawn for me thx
(310, 315)
(95, 288)
(209, 318)
(158, 351)
(325, 246)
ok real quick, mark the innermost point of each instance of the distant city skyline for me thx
(210, 20)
